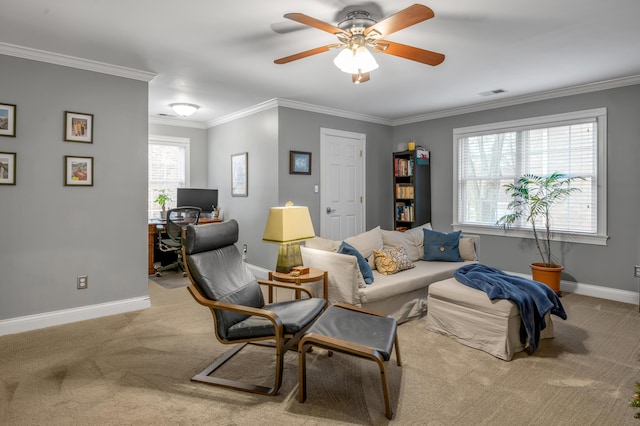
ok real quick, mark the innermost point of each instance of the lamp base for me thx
(288, 256)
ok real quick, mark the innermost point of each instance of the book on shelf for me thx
(403, 166)
(404, 191)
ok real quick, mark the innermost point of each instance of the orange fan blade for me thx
(306, 53)
(403, 19)
(316, 23)
(408, 52)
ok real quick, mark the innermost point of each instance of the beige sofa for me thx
(403, 295)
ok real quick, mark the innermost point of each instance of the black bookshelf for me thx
(411, 188)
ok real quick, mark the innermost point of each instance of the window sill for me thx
(599, 240)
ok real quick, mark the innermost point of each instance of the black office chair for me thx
(177, 220)
(222, 282)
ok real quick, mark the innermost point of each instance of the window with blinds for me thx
(488, 157)
(168, 170)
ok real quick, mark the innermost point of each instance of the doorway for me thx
(342, 184)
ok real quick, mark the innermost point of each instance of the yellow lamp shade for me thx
(288, 224)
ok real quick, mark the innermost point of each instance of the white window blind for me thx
(488, 157)
(168, 169)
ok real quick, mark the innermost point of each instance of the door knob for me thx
(330, 210)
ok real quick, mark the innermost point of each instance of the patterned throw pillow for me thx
(392, 260)
(384, 263)
(399, 255)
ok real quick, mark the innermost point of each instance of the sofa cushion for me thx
(366, 242)
(440, 246)
(424, 273)
(467, 248)
(412, 240)
(325, 244)
(363, 265)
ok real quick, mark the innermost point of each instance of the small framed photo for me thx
(78, 127)
(299, 163)
(8, 120)
(240, 174)
(7, 168)
(78, 171)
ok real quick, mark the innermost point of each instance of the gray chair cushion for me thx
(372, 331)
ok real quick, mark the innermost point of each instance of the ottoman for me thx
(469, 316)
(354, 331)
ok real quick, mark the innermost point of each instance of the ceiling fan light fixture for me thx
(183, 109)
(355, 61)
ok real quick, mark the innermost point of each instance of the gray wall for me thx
(300, 131)
(268, 136)
(258, 136)
(608, 266)
(51, 233)
(197, 149)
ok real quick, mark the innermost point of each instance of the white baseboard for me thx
(591, 290)
(66, 316)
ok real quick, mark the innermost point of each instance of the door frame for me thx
(362, 137)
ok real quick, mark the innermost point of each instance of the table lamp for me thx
(288, 226)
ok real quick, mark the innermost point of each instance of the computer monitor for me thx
(206, 199)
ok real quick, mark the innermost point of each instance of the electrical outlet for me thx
(636, 271)
(83, 282)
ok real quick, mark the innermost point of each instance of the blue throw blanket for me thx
(534, 299)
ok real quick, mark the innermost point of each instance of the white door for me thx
(342, 183)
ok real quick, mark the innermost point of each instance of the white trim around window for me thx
(461, 136)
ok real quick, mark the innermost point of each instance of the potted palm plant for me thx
(162, 200)
(532, 199)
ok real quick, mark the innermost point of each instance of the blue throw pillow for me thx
(365, 269)
(441, 247)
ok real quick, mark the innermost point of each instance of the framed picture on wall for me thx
(8, 120)
(78, 127)
(240, 174)
(7, 168)
(299, 163)
(78, 171)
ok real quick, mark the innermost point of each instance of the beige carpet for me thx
(135, 368)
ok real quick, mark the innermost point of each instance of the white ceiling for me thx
(220, 55)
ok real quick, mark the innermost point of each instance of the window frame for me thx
(172, 141)
(600, 116)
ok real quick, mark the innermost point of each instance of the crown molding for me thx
(286, 103)
(263, 106)
(517, 100)
(169, 121)
(74, 62)
(335, 112)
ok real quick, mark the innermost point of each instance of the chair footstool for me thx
(353, 331)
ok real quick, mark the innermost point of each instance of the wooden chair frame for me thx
(283, 342)
(357, 350)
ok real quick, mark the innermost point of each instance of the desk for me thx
(153, 237)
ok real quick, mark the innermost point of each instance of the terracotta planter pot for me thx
(549, 275)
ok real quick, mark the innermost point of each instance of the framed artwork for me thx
(299, 163)
(8, 120)
(78, 171)
(78, 127)
(7, 168)
(239, 174)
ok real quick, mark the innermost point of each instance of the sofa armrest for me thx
(342, 273)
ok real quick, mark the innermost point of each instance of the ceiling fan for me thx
(358, 31)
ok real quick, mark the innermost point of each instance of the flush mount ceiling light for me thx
(183, 109)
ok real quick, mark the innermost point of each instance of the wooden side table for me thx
(313, 276)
